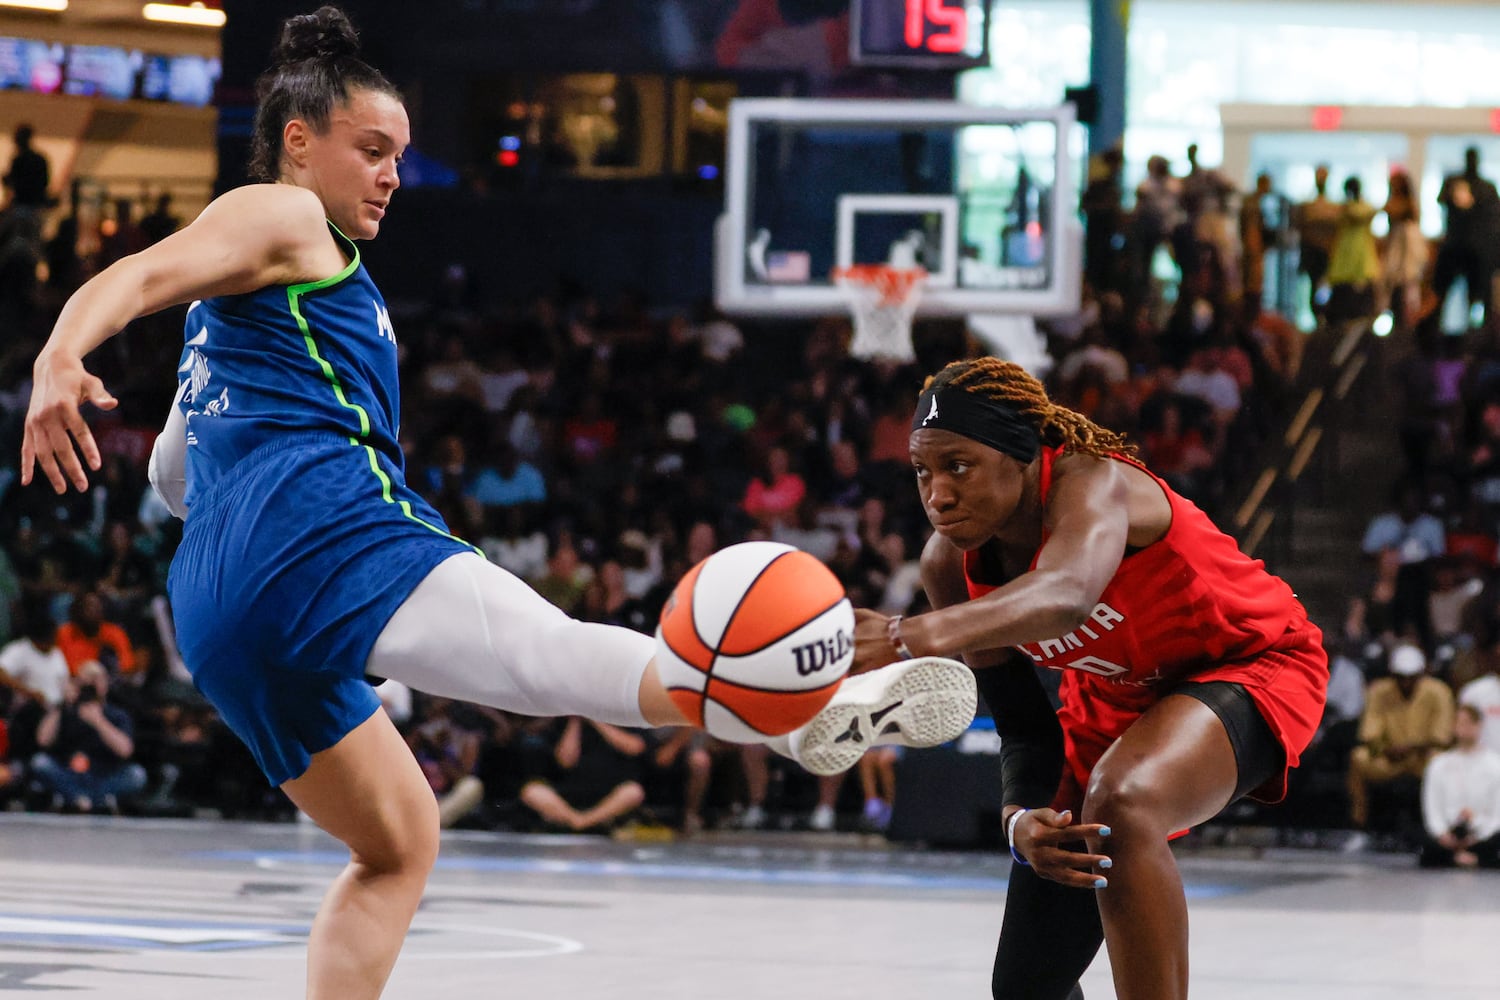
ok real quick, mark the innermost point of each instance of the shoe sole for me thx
(930, 703)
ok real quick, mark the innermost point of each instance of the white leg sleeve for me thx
(474, 632)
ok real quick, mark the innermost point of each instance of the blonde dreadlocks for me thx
(1009, 383)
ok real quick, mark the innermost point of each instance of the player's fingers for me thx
(1065, 874)
(79, 428)
(47, 460)
(94, 392)
(28, 458)
(70, 469)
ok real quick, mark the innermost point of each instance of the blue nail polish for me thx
(1104, 831)
(1100, 883)
(1106, 863)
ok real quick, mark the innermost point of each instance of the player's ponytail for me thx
(315, 65)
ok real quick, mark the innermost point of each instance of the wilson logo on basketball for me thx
(815, 655)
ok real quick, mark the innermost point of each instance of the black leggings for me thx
(1051, 932)
(1050, 935)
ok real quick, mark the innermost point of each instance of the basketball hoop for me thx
(883, 300)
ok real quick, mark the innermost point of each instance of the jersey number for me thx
(1094, 665)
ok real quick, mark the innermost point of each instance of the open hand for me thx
(60, 385)
(1041, 835)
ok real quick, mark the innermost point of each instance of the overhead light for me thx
(176, 13)
(54, 5)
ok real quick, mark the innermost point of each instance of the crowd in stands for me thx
(599, 449)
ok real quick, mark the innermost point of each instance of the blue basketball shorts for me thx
(290, 566)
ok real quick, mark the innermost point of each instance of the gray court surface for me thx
(135, 909)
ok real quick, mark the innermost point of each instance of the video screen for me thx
(182, 79)
(27, 64)
(192, 80)
(101, 71)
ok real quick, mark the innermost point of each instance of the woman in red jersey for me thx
(1190, 675)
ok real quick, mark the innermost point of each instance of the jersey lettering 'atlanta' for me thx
(318, 356)
(1188, 600)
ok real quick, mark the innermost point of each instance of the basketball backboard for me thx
(983, 198)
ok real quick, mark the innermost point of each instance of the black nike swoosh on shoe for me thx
(875, 717)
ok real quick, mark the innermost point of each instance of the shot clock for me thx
(919, 34)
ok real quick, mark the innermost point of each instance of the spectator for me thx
(1454, 584)
(1405, 262)
(511, 481)
(454, 375)
(160, 222)
(1177, 452)
(128, 576)
(1104, 217)
(1472, 209)
(825, 812)
(32, 665)
(448, 754)
(589, 780)
(1317, 223)
(1483, 695)
(566, 578)
(773, 496)
(1461, 801)
(1158, 212)
(1255, 240)
(877, 779)
(514, 543)
(685, 757)
(605, 600)
(85, 747)
(1205, 379)
(755, 767)
(28, 181)
(1354, 267)
(1408, 718)
(1410, 537)
(87, 637)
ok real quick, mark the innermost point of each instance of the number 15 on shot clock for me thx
(919, 34)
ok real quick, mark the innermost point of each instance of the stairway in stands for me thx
(1328, 472)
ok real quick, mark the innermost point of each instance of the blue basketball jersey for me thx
(302, 537)
(318, 356)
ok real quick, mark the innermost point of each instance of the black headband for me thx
(979, 418)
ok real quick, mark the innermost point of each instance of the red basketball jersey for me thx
(1190, 606)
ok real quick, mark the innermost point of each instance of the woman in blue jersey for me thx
(306, 561)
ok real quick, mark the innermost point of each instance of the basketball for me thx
(755, 640)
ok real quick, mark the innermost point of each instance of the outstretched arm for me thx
(246, 239)
(1087, 521)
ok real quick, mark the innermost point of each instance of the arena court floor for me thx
(137, 909)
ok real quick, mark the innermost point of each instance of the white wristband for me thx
(1010, 836)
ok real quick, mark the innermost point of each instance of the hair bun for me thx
(326, 33)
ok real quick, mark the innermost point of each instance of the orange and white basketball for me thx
(755, 640)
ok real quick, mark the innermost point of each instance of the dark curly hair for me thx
(315, 65)
(1057, 425)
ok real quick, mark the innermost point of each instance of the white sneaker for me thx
(921, 702)
(822, 819)
(753, 818)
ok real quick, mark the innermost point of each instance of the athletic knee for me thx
(1124, 800)
(406, 845)
(632, 794)
(700, 762)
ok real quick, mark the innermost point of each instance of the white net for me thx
(883, 301)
